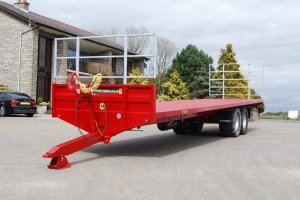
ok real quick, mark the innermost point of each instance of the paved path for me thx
(150, 164)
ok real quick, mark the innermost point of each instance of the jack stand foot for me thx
(59, 163)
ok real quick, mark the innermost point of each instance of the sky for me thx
(265, 33)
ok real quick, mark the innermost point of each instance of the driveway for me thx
(150, 164)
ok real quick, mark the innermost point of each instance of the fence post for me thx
(223, 82)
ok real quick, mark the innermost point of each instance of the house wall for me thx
(104, 60)
(10, 33)
(139, 64)
(120, 67)
(62, 66)
(136, 64)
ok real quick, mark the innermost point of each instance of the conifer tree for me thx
(189, 61)
(254, 95)
(199, 88)
(174, 89)
(238, 88)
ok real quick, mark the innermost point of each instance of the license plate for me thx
(24, 103)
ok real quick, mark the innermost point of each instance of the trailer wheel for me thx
(244, 121)
(179, 128)
(184, 127)
(198, 127)
(232, 126)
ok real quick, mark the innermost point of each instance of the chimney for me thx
(22, 4)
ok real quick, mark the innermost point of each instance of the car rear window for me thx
(18, 96)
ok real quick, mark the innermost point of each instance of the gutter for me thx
(20, 47)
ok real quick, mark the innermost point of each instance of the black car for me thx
(16, 103)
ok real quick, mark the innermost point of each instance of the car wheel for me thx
(2, 111)
(29, 114)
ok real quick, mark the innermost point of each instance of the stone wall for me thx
(104, 60)
(10, 67)
(120, 66)
(62, 51)
(139, 64)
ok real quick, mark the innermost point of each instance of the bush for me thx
(137, 72)
(5, 88)
(104, 69)
(39, 100)
(276, 113)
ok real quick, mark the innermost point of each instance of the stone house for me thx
(27, 50)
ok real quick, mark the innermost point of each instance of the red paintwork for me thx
(198, 107)
(137, 106)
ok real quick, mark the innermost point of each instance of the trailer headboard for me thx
(111, 109)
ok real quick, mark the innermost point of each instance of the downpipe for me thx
(20, 48)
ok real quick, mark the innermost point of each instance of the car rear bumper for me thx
(23, 110)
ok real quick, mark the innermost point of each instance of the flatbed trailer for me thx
(115, 108)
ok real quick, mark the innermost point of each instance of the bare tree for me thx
(111, 31)
(137, 44)
(166, 51)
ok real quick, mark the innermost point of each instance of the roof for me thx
(56, 25)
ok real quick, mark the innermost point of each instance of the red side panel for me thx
(112, 109)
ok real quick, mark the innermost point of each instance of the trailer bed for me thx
(170, 108)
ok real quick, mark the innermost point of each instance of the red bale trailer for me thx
(111, 109)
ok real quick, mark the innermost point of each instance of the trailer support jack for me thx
(59, 163)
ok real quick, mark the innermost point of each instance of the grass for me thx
(282, 116)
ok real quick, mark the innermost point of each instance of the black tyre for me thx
(198, 127)
(244, 121)
(183, 127)
(2, 111)
(231, 125)
(179, 129)
(189, 127)
(29, 114)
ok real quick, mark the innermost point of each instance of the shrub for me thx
(104, 69)
(39, 100)
(5, 88)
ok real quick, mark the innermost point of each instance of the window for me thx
(114, 65)
(71, 62)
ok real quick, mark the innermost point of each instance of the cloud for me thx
(209, 25)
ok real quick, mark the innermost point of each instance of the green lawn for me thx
(282, 116)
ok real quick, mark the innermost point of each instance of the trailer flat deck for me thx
(175, 108)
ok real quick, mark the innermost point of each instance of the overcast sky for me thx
(265, 33)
